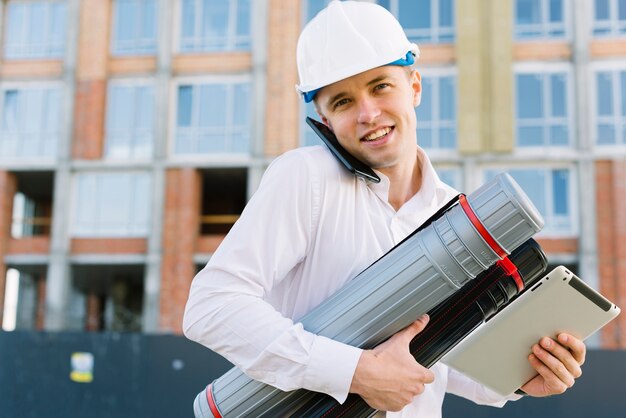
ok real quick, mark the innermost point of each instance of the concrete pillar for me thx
(485, 81)
(8, 187)
(183, 196)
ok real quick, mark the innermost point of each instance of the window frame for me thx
(615, 68)
(438, 73)
(231, 30)
(435, 31)
(237, 158)
(150, 50)
(134, 83)
(35, 85)
(613, 26)
(75, 232)
(52, 51)
(546, 69)
(573, 230)
(544, 25)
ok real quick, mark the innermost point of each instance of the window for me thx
(450, 176)
(542, 109)
(309, 137)
(134, 27)
(609, 18)
(424, 21)
(611, 107)
(313, 7)
(436, 114)
(29, 123)
(213, 118)
(112, 205)
(130, 121)
(540, 19)
(35, 29)
(210, 25)
(550, 191)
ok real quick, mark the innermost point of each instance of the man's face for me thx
(373, 115)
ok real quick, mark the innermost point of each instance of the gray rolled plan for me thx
(408, 281)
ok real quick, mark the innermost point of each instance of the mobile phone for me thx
(356, 166)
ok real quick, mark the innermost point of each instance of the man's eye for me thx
(381, 86)
(339, 103)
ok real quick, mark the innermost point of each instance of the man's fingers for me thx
(575, 346)
(563, 354)
(416, 327)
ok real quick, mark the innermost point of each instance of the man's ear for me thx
(323, 118)
(416, 85)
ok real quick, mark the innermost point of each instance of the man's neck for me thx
(404, 182)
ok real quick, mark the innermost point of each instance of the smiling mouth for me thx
(379, 134)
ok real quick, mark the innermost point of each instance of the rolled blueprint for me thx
(451, 321)
(411, 279)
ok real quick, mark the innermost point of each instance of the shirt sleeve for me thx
(461, 385)
(226, 310)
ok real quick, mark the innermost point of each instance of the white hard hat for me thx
(347, 38)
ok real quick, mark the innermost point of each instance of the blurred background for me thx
(133, 132)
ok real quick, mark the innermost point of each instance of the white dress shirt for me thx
(309, 228)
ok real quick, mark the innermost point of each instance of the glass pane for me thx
(126, 19)
(121, 108)
(529, 96)
(534, 184)
(184, 106)
(605, 94)
(527, 12)
(314, 7)
(57, 26)
(86, 201)
(558, 135)
(530, 136)
(16, 26)
(446, 13)
(559, 101)
(606, 134)
(212, 105)
(415, 14)
(9, 111)
(148, 15)
(424, 137)
(188, 18)
(141, 203)
(34, 111)
(559, 188)
(447, 103)
(215, 23)
(448, 176)
(621, 10)
(241, 106)
(243, 17)
(53, 110)
(556, 11)
(601, 9)
(115, 194)
(36, 26)
(622, 91)
(447, 138)
(144, 108)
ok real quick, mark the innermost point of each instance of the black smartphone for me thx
(353, 164)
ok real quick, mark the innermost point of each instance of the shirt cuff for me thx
(331, 367)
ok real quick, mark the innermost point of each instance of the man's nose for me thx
(368, 110)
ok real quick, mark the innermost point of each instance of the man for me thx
(312, 226)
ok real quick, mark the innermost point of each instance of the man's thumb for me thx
(417, 326)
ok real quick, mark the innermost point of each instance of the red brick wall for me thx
(183, 190)
(8, 187)
(89, 119)
(611, 227)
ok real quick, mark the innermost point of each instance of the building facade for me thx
(132, 133)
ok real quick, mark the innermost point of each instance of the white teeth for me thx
(378, 134)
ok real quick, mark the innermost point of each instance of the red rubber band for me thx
(511, 270)
(211, 401)
(480, 228)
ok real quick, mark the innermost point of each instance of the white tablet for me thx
(496, 354)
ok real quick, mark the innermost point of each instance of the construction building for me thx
(132, 133)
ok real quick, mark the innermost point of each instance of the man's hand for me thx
(388, 377)
(558, 364)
